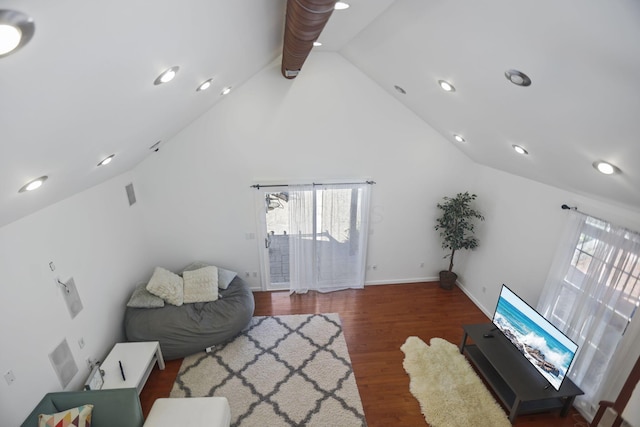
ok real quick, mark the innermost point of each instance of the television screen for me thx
(545, 347)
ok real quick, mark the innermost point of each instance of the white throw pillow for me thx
(167, 285)
(224, 276)
(200, 285)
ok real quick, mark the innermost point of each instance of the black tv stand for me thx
(520, 388)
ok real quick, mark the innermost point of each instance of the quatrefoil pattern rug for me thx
(280, 371)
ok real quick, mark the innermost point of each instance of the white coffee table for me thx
(137, 358)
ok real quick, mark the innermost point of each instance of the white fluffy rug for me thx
(449, 391)
(280, 371)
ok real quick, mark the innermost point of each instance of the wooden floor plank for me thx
(376, 322)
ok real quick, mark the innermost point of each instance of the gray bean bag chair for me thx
(190, 328)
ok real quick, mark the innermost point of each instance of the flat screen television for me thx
(549, 351)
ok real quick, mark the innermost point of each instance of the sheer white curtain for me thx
(328, 239)
(591, 293)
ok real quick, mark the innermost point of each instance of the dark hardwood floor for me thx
(376, 322)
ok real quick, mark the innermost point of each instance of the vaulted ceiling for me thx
(83, 87)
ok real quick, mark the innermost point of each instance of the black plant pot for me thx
(447, 279)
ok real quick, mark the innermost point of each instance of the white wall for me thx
(93, 237)
(330, 123)
(519, 237)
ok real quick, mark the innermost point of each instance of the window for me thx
(591, 294)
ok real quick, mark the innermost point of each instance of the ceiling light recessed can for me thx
(606, 167)
(204, 85)
(340, 5)
(226, 90)
(399, 89)
(458, 138)
(33, 184)
(107, 160)
(16, 29)
(518, 78)
(446, 86)
(10, 37)
(166, 76)
(519, 149)
(317, 44)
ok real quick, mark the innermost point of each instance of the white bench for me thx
(189, 412)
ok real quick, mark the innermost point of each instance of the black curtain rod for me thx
(259, 186)
(575, 208)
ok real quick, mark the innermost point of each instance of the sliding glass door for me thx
(315, 236)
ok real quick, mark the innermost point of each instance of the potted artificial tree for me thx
(456, 229)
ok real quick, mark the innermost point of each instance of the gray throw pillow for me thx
(142, 298)
(225, 277)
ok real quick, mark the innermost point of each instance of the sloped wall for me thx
(330, 123)
(93, 237)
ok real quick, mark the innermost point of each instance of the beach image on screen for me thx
(548, 349)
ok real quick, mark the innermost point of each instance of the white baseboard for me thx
(487, 313)
(402, 281)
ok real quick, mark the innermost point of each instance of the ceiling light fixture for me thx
(16, 29)
(166, 76)
(399, 89)
(606, 167)
(33, 184)
(226, 90)
(458, 138)
(519, 149)
(340, 5)
(446, 86)
(518, 78)
(317, 44)
(204, 85)
(107, 160)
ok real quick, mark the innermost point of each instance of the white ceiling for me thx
(82, 89)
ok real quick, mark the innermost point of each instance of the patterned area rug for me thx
(281, 371)
(449, 391)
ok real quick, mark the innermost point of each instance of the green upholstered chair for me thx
(114, 407)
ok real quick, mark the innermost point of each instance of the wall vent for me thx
(131, 195)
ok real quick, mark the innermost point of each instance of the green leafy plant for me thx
(456, 224)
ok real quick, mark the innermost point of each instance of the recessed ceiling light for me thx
(517, 77)
(446, 86)
(107, 160)
(458, 138)
(399, 89)
(204, 85)
(16, 29)
(340, 5)
(166, 76)
(606, 167)
(317, 44)
(519, 149)
(226, 90)
(33, 184)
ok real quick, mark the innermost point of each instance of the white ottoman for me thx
(189, 412)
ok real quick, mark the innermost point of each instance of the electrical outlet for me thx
(9, 377)
(92, 362)
(81, 343)
(422, 265)
(247, 274)
(374, 267)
